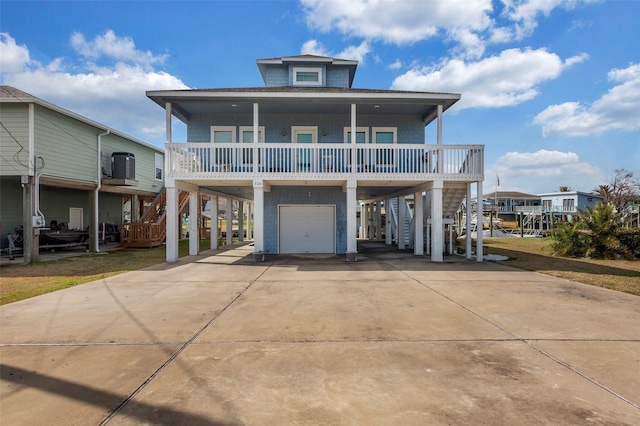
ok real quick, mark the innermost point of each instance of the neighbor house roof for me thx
(509, 194)
(9, 94)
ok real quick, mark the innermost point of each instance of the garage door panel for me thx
(307, 229)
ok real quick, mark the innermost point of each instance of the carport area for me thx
(217, 339)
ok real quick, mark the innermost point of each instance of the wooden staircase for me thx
(151, 230)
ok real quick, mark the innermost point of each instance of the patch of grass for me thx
(535, 254)
(24, 281)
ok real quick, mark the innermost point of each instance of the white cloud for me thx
(13, 58)
(541, 171)
(402, 22)
(396, 65)
(615, 110)
(114, 47)
(113, 95)
(357, 53)
(504, 80)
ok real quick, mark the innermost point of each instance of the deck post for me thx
(194, 225)
(418, 220)
(249, 222)
(173, 227)
(352, 202)
(387, 218)
(258, 217)
(240, 220)
(467, 235)
(229, 220)
(402, 214)
(379, 220)
(214, 222)
(437, 235)
(479, 223)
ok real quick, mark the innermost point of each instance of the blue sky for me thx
(551, 88)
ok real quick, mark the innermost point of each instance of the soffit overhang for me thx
(292, 100)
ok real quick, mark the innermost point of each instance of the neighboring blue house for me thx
(566, 204)
(287, 150)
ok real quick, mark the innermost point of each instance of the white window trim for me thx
(161, 167)
(232, 129)
(296, 70)
(393, 130)
(304, 129)
(364, 130)
(250, 129)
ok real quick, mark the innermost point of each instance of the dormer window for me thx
(307, 76)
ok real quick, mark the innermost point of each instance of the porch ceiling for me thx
(299, 101)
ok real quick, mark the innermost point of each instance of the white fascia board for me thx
(379, 97)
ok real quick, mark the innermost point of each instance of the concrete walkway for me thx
(391, 340)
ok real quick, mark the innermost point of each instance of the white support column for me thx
(378, 220)
(418, 219)
(249, 222)
(387, 218)
(258, 218)
(214, 222)
(437, 235)
(402, 214)
(371, 232)
(439, 135)
(352, 202)
(354, 161)
(229, 220)
(362, 221)
(240, 220)
(194, 226)
(467, 235)
(173, 224)
(480, 225)
(255, 137)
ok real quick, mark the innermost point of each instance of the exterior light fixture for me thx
(324, 132)
(284, 132)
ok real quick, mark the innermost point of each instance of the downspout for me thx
(96, 229)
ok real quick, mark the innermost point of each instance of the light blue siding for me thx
(303, 195)
(410, 129)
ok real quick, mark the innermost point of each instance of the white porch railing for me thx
(324, 160)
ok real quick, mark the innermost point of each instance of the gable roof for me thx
(9, 94)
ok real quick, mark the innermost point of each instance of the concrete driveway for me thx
(392, 340)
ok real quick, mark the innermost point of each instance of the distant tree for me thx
(623, 190)
(564, 188)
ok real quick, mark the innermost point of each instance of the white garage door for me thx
(307, 229)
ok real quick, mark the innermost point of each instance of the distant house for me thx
(566, 204)
(59, 169)
(305, 150)
(508, 204)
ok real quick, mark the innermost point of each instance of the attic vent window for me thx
(307, 76)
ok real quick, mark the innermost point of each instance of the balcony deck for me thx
(324, 161)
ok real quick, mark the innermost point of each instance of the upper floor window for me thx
(307, 76)
(223, 134)
(568, 205)
(159, 167)
(362, 135)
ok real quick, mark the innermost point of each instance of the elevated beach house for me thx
(308, 152)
